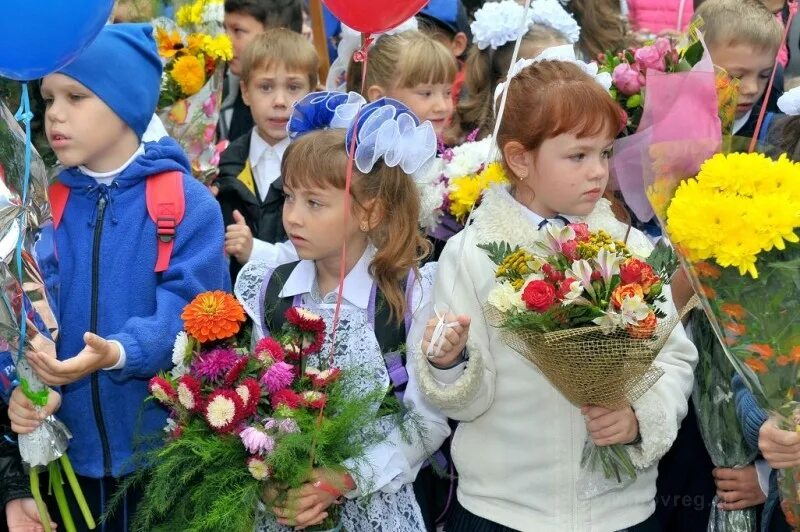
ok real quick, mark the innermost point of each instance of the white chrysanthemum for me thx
(179, 349)
(468, 158)
(220, 411)
(258, 468)
(431, 201)
(550, 13)
(504, 298)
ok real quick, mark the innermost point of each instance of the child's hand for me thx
(452, 342)
(98, 354)
(24, 415)
(781, 448)
(306, 505)
(23, 516)
(738, 488)
(239, 239)
(610, 427)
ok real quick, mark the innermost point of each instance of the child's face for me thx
(270, 93)
(752, 66)
(242, 29)
(82, 129)
(312, 217)
(567, 175)
(429, 101)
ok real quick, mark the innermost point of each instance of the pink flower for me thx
(210, 105)
(250, 393)
(161, 389)
(627, 79)
(278, 377)
(570, 249)
(663, 45)
(268, 351)
(648, 57)
(288, 426)
(189, 393)
(582, 233)
(208, 134)
(236, 371)
(214, 364)
(257, 442)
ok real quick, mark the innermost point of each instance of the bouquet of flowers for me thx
(245, 419)
(585, 312)
(715, 407)
(455, 184)
(194, 50)
(629, 70)
(735, 225)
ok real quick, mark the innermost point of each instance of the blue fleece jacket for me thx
(106, 411)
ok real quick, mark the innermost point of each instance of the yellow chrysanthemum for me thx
(219, 47)
(195, 43)
(737, 207)
(189, 74)
(465, 191)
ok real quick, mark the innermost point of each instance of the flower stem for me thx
(57, 483)
(77, 492)
(44, 517)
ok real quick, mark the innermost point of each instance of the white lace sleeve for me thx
(249, 290)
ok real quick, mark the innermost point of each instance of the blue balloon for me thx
(38, 37)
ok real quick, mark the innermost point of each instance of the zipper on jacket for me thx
(97, 406)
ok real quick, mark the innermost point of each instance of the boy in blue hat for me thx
(121, 295)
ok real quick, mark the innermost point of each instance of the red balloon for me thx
(374, 16)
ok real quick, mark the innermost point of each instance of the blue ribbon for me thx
(25, 116)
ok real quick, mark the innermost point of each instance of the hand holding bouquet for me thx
(244, 422)
(586, 313)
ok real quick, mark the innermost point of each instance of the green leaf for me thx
(694, 53)
(498, 251)
(663, 260)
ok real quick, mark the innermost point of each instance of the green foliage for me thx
(663, 260)
(498, 251)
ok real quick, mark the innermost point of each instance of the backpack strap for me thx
(59, 194)
(166, 205)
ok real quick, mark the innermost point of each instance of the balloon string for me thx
(491, 155)
(759, 122)
(25, 116)
(361, 56)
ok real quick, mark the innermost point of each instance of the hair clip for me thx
(386, 129)
(789, 102)
(497, 23)
(324, 110)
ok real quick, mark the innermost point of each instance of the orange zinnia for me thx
(736, 329)
(709, 292)
(213, 316)
(762, 350)
(734, 310)
(704, 269)
(756, 365)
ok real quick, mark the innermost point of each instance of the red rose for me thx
(582, 232)
(564, 287)
(635, 271)
(539, 295)
(551, 274)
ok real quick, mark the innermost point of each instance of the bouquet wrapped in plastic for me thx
(245, 419)
(28, 280)
(719, 426)
(586, 312)
(194, 49)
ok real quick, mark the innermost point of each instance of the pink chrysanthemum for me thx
(161, 389)
(321, 379)
(236, 371)
(223, 410)
(288, 426)
(258, 468)
(268, 351)
(278, 377)
(214, 364)
(256, 441)
(189, 394)
(250, 393)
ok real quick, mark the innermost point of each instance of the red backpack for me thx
(166, 205)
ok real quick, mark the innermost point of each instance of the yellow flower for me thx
(219, 47)
(189, 74)
(169, 42)
(195, 43)
(465, 191)
(737, 207)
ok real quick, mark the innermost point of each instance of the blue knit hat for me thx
(123, 68)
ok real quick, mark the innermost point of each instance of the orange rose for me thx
(625, 290)
(644, 329)
(635, 271)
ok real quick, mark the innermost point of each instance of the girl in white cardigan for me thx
(518, 446)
